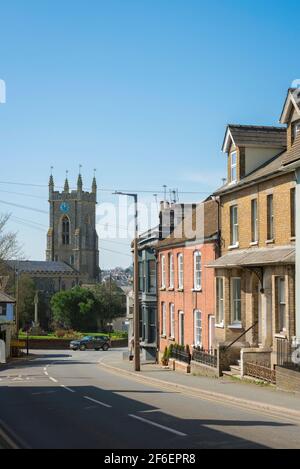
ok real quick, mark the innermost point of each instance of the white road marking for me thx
(45, 369)
(66, 388)
(168, 429)
(46, 373)
(52, 379)
(97, 402)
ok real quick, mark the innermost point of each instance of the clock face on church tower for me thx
(65, 207)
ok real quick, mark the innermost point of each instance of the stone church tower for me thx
(72, 236)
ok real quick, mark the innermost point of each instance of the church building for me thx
(72, 237)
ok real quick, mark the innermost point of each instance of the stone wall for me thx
(255, 355)
(287, 380)
(204, 370)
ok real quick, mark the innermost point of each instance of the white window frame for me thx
(172, 321)
(198, 328)
(233, 166)
(197, 272)
(171, 271)
(235, 301)
(234, 227)
(254, 221)
(164, 319)
(296, 129)
(219, 302)
(163, 272)
(281, 299)
(180, 271)
(270, 218)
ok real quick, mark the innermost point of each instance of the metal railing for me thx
(287, 355)
(180, 355)
(241, 335)
(261, 372)
(206, 358)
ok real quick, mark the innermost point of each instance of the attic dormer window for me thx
(296, 129)
(233, 170)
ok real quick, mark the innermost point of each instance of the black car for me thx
(91, 343)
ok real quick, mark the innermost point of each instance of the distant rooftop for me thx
(42, 267)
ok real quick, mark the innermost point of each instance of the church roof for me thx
(42, 267)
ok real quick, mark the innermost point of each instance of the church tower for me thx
(72, 235)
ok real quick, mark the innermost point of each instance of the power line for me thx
(115, 252)
(139, 191)
(23, 206)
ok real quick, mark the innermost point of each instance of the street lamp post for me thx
(136, 311)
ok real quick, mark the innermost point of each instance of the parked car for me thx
(101, 342)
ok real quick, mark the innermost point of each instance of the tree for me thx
(75, 309)
(26, 295)
(111, 302)
(9, 246)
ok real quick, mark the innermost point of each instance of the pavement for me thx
(74, 400)
(252, 394)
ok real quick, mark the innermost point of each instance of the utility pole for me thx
(136, 311)
(17, 302)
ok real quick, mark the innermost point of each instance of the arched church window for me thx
(66, 231)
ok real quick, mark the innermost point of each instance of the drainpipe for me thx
(218, 201)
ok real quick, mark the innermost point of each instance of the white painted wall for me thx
(255, 157)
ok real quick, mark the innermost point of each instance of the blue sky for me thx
(140, 90)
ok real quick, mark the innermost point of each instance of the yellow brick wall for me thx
(280, 188)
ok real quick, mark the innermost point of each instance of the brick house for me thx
(185, 285)
(255, 275)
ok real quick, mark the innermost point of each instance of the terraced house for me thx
(185, 285)
(255, 274)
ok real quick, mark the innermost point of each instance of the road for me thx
(67, 400)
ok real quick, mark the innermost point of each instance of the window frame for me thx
(197, 286)
(198, 327)
(236, 301)
(164, 319)
(171, 271)
(219, 301)
(270, 218)
(254, 221)
(180, 265)
(281, 305)
(233, 166)
(163, 271)
(293, 211)
(172, 321)
(234, 227)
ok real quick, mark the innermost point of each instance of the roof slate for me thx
(256, 257)
(258, 136)
(42, 267)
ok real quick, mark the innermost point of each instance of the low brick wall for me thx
(182, 367)
(64, 344)
(287, 380)
(204, 370)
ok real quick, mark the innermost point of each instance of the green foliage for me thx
(75, 309)
(111, 302)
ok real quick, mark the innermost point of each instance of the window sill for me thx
(220, 325)
(163, 336)
(293, 238)
(171, 289)
(234, 246)
(280, 335)
(254, 243)
(270, 241)
(172, 339)
(180, 290)
(237, 325)
(197, 290)
(162, 289)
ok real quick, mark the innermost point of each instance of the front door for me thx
(181, 328)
